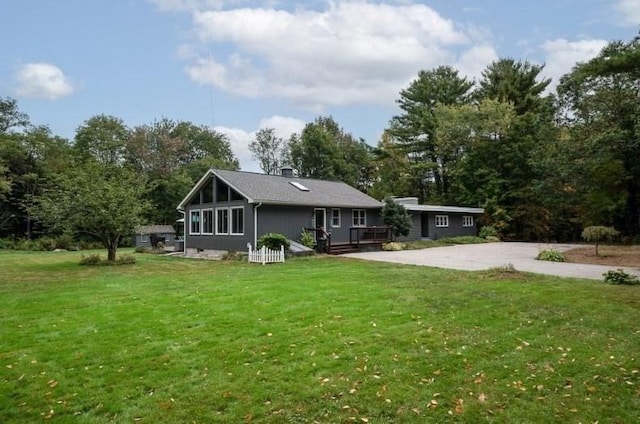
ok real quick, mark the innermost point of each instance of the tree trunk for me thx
(111, 252)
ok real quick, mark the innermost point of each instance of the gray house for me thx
(146, 234)
(226, 209)
(435, 221)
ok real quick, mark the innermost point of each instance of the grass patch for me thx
(446, 241)
(315, 339)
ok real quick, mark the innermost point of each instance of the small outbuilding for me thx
(150, 235)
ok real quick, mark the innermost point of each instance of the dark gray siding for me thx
(290, 220)
(287, 220)
(169, 239)
(220, 242)
(415, 233)
(454, 229)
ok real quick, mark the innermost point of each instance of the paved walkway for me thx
(476, 257)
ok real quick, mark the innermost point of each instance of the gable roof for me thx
(154, 229)
(278, 190)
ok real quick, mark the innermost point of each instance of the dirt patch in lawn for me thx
(607, 255)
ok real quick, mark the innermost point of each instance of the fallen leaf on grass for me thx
(482, 397)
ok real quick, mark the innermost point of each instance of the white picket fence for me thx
(265, 255)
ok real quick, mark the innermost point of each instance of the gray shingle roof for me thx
(155, 229)
(276, 189)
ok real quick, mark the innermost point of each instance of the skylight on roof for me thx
(298, 186)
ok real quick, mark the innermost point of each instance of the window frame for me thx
(333, 217)
(467, 221)
(442, 221)
(232, 220)
(144, 238)
(195, 212)
(217, 220)
(360, 218)
(202, 219)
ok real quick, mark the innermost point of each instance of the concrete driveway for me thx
(476, 257)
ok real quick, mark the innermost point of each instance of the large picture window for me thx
(194, 219)
(207, 221)
(222, 221)
(359, 218)
(467, 221)
(237, 221)
(442, 220)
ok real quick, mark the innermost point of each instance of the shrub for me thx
(396, 217)
(95, 259)
(620, 277)
(124, 260)
(488, 231)
(307, 239)
(273, 241)
(550, 255)
(492, 239)
(45, 243)
(462, 240)
(597, 233)
(393, 246)
(232, 255)
(65, 241)
(91, 260)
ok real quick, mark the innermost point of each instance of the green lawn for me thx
(317, 339)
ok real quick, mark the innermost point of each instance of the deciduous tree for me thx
(105, 202)
(271, 151)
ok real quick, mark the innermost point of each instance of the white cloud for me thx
(629, 11)
(240, 139)
(42, 81)
(472, 62)
(352, 52)
(562, 55)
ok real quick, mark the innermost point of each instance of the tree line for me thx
(543, 164)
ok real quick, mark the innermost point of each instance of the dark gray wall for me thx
(415, 233)
(454, 229)
(137, 240)
(290, 220)
(220, 242)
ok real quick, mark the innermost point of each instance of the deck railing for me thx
(358, 235)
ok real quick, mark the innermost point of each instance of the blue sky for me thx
(242, 65)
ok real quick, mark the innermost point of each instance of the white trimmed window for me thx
(237, 221)
(335, 218)
(467, 220)
(359, 218)
(194, 220)
(207, 221)
(442, 220)
(222, 221)
(144, 238)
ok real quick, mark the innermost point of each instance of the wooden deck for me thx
(360, 239)
(342, 248)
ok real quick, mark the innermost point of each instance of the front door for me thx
(424, 223)
(320, 219)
